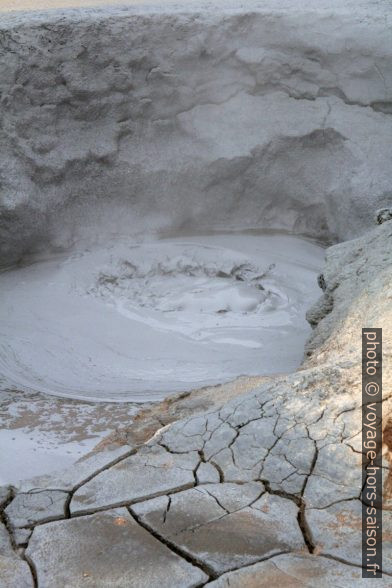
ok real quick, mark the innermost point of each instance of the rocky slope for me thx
(140, 120)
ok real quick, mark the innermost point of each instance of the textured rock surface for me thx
(13, 571)
(35, 507)
(297, 571)
(108, 116)
(4, 495)
(225, 527)
(106, 549)
(357, 279)
(22, 536)
(336, 531)
(150, 472)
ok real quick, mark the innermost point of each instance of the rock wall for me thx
(132, 122)
(357, 294)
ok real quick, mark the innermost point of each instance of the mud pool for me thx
(136, 321)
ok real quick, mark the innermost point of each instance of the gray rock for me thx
(233, 497)
(383, 215)
(35, 507)
(248, 447)
(107, 549)
(221, 437)
(14, 573)
(152, 471)
(206, 473)
(337, 531)
(289, 461)
(337, 476)
(298, 571)
(321, 281)
(5, 493)
(319, 309)
(22, 536)
(355, 271)
(224, 526)
(5, 542)
(177, 439)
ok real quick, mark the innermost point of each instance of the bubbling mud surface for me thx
(136, 321)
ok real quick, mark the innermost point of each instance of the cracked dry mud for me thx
(262, 490)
